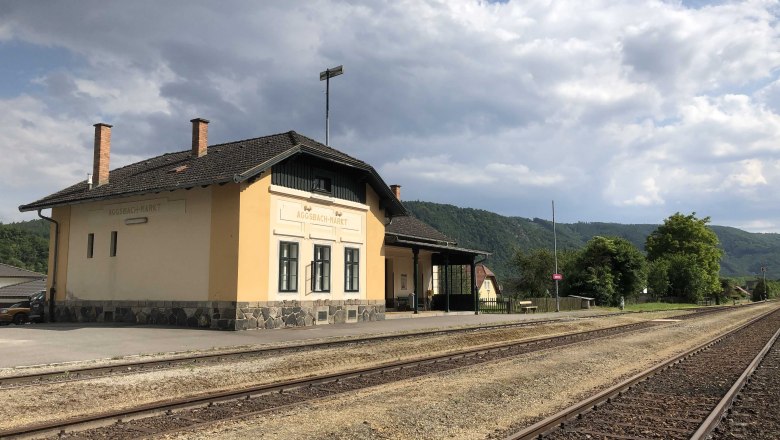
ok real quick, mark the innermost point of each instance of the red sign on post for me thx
(557, 276)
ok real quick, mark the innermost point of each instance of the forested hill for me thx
(745, 252)
(25, 245)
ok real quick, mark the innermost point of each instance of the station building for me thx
(270, 232)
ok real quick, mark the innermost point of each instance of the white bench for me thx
(526, 306)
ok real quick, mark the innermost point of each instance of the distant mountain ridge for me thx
(744, 252)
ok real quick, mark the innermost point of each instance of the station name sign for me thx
(321, 218)
(137, 209)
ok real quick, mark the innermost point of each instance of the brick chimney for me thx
(396, 190)
(102, 154)
(200, 137)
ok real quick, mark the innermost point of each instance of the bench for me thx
(402, 303)
(526, 306)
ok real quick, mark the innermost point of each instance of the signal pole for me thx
(555, 253)
(766, 288)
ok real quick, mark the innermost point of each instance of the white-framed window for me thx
(320, 269)
(288, 266)
(351, 269)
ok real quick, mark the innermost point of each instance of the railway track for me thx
(70, 374)
(682, 398)
(189, 413)
(749, 410)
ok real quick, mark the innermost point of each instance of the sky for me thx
(620, 111)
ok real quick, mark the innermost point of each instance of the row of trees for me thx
(682, 260)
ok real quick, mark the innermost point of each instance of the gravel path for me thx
(464, 404)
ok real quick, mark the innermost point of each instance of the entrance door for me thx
(389, 284)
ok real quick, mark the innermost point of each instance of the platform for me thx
(41, 344)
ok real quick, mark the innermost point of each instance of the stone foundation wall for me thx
(222, 315)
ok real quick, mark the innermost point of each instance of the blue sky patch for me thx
(22, 62)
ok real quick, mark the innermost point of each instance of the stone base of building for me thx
(222, 315)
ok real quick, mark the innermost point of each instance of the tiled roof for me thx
(24, 289)
(408, 226)
(482, 273)
(8, 271)
(230, 162)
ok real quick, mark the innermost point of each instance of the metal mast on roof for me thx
(326, 76)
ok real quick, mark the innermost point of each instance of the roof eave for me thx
(79, 201)
(422, 239)
(435, 247)
(260, 168)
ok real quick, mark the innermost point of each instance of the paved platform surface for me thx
(41, 344)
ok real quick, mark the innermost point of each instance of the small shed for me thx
(10, 275)
(586, 302)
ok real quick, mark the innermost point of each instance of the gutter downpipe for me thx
(53, 290)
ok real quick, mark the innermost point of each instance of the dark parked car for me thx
(38, 307)
(18, 313)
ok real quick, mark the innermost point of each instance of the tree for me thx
(535, 268)
(762, 291)
(608, 268)
(658, 279)
(691, 250)
(728, 289)
(24, 249)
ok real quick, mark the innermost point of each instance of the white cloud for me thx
(749, 173)
(760, 225)
(521, 175)
(438, 169)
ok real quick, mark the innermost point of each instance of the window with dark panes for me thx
(113, 244)
(351, 269)
(288, 266)
(322, 184)
(320, 279)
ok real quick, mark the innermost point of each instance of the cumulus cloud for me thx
(621, 112)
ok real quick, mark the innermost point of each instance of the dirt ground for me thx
(477, 402)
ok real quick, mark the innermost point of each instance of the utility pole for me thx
(555, 252)
(766, 288)
(326, 76)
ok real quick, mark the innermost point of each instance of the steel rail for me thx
(539, 429)
(163, 407)
(712, 421)
(84, 373)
